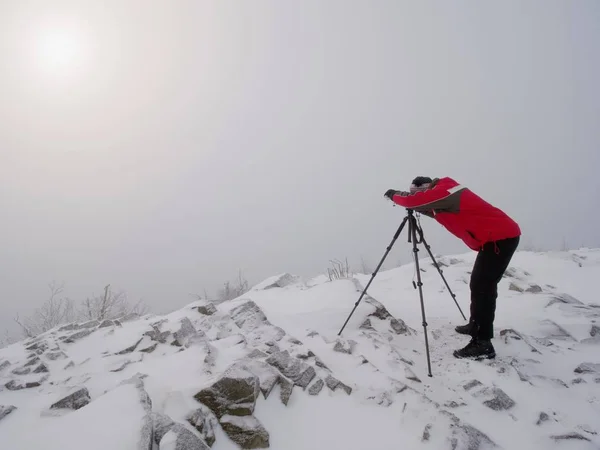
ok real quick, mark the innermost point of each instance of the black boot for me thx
(477, 349)
(468, 329)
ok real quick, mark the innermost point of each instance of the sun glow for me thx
(61, 51)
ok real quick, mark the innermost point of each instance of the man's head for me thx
(420, 184)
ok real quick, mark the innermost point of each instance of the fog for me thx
(163, 146)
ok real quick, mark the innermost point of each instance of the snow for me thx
(547, 365)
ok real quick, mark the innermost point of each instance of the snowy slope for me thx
(269, 369)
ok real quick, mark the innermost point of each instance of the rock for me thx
(121, 366)
(6, 410)
(452, 404)
(569, 436)
(467, 437)
(70, 365)
(13, 386)
(333, 384)
(22, 371)
(578, 381)
(268, 377)
(316, 387)
(208, 309)
(77, 336)
(4, 365)
(69, 327)
(282, 281)
(426, 433)
(42, 368)
(180, 438)
(157, 336)
(53, 356)
(235, 393)
(342, 346)
(247, 432)
(39, 347)
(205, 422)
(312, 334)
(146, 434)
(565, 299)
(106, 323)
(90, 324)
(515, 287)
(410, 375)
(534, 289)
(185, 334)
(543, 418)
(472, 384)
(130, 349)
(367, 325)
(595, 331)
(76, 400)
(588, 367)
(286, 388)
(161, 425)
(296, 370)
(500, 401)
(249, 316)
(256, 353)
(149, 349)
(33, 362)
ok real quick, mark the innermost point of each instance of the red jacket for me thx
(461, 212)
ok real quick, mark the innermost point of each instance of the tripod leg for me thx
(375, 273)
(439, 269)
(412, 229)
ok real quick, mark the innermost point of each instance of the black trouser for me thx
(489, 267)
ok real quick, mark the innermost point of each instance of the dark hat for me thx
(419, 181)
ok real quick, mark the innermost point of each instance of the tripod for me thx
(413, 230)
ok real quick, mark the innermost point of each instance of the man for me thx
(483, 228)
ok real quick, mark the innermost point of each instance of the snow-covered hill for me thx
(268, 369)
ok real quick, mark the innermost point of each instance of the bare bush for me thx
(229, 291)
(339, 270)
(110, 305)
(55, 311)
(365, 267)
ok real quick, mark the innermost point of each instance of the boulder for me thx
(467, 437)
(595, 331)
(534, 289)
(130, 349)
(205, 422)
(235, 393)
(6, 410)
(106, 323)
(543, 418)
(247, 432)
(185, 334)
(22, 371)
(39, 347)
(249, 316)
(76, 400)
(515, 287)
(77, 336)
(588, 367)
(53, 356)
(334, 384)
(4, 365)
(14, 386)
(156, 335)
(32, 362)
(42, 368)
(161, 424)
(426, 433)
(493, 397)
(208, 309)
(342, 346)
(316, 387)
(300, 373)
(286, 387)
(149, 349)
(180, 438)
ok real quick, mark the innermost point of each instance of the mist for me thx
(191, 140)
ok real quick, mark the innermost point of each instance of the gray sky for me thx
(160, 146)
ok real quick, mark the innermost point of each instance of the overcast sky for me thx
(162, 146)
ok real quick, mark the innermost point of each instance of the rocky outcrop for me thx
(334, 384)
(588, 367)
(17, 386)
(75, 401)
(247, 431)
(492, 397)
(208, 310)
(131, 348)
(4, 365)
(186, 333)
(77, 336)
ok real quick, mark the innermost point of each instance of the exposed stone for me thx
(156, 335)
(286, 388)
(32, 362)
(543, 418)
(588, 367)
(410, 375)
(367, 325)
(14, 386)
(6, 410)
(106, 323)
(74, 401)
(77, 336)
(296, 370)
(467, 437)
(471, 384)
(578, 381)
(39, 347)
(452, 404)
(208, 309)
(161, 424)
(426, 433)
(515, 287)
(69, 327)
(4, 365)
(235, 393)
(42, 368)
(121, 367)
(53, 356)
(205, 422)
(256, 353)
(316, 387)
(565, 299)
(149, 349)
(569, 436)
(494, 398)
(312, 334)
(534, 289)
(22, 371)
(249, 316)
(247, 432)
(180, 438)
(333, 384)
(595, 331)
(90, 324)
(342, 346)
(185, 334)
(130, 349)
(68, 366)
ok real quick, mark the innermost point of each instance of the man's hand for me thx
(390, 193)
